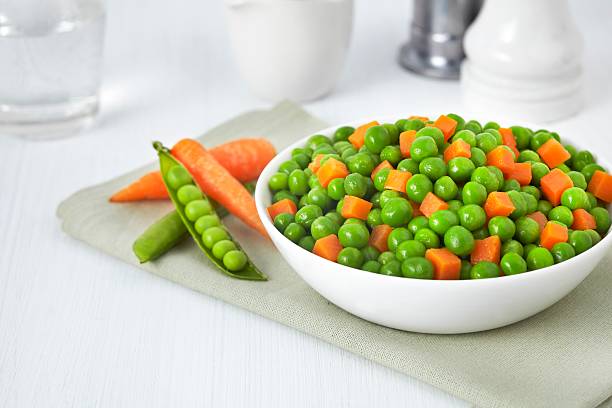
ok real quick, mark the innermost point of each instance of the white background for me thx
(78, 328)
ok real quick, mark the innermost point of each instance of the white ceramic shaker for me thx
(290, 49)
(523, 61)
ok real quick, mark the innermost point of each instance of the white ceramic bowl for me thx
(427, 306)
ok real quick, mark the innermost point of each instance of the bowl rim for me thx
(261, 189)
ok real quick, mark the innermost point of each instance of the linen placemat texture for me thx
(561, 357)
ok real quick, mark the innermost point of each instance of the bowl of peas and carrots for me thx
(438, 226)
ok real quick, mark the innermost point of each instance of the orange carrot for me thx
(378, 238)
(502, 158)
(397, 179)
(330, 170)
(446, 264)
(315, 165)
(282, 206)
(487, 249)
(243, 158)
(509, 140)
(148, 187)
(405, 141)
(459, 148)
(383, 165)
(554, 184)
(553, 233)
(553, 153)
(446, 125)
(431, 203)
(217, 182)
(520, 172)
(601, 186)
(355, 207)
(540, 218)
(358, 136)
(328, 247)
(498, 203)
(583, 220)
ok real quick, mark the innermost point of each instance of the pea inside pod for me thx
(196, 211)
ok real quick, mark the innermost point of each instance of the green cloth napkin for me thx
(560, 358)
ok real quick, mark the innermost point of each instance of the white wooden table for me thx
(78, 328)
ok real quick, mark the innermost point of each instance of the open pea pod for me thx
(166, 163)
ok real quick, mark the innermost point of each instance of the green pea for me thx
(177, 176)
(376, 138)
(397, 236)
(370, 253)
(298, 182)
(316, 140)
(539, 258)
(522, 137)
(351, 257)
(288, 166)
(423, 147)
(563, 168)
(528, 248)
(455, 206)
(538, 170)
(371, 266)
(531, 190)
(466, 269)
(512, 264)
(582, 159)
(417, 268)
(491, 125)
(417, 187)
(409, 249)
(235, 260)
(484, 270)
(348, 153)
(212, 235)
(341, 146)
(486, 142)
(460, 169)
(335, 217)
(303, 202)
(592, 200)
(484, 176)
(408, 165)
(281, 221)
(572, 151)
(392, 154)
(294, 232)
(391, 268)
(595, 237)
(440, 221)
(335, 189)
(602, 219)
(343, 133)
(562, 251)
(531, 204)
(503, 227)
(361, 163)
(318, 197)
(498, 175)
(306, 215)
(512, 246)
(433, 167)
(375, 199)
(520, 205)
(472, 217)
(307, 243)
(561, 214)
(445, 188)
(474, 126)
(323, 226)
(527, 230)
(588, 171)
(427, 237)
(539, 139)
(188, 193)
(511, 185)
(388, 195)
(544, 206)
(481, 233)
(574, 198)
(459, 240)
(381, 178)
(222, 247)
(353, 235)
(301, 159)
(386, 257)
(479, 158)
(355, 185)
(396, 212)
(197, 208)
(313, 182)
(474, 192)
(581, 241)
(433, 132)
(278, 181)
(418, 223)
(281, 195)
(528, 156)
(207, 221)
(393, 131)
(467, 136)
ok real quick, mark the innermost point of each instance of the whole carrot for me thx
(148, 187)
(217, 182)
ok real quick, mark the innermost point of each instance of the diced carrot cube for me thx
(446, 125)
(540, 218)
(553, 153)
(328, 247)
(330, 170)
(446, 264)
(520, 172)
(378, 238)
(487, 249)
(583, 220)
(383, 165)
(357, 139)
(554, 184)
(282, 206)
(507, 137)
(601, 186)
(315, 165)
(554, 232)
(397, 179)
(355, 207)
(405, 141)
(502, 158)
(459, 148)
(432, 203)
(498, 203)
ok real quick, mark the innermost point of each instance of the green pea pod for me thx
(166, 162)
